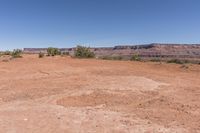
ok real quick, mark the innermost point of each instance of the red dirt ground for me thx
(62, 94)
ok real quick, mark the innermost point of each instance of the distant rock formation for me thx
(149, 51)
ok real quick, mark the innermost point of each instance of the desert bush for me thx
(155, 60)
(177, 61)
(53, 51)
(111, 57)
(16, 53)
(83, 52)
(65, 53)
(135, 57)
(7, 53)
(41, 55)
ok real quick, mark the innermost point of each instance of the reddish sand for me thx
(61, 95)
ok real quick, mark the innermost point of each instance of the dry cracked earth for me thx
(66, 95)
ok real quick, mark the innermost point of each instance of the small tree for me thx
(135, 57)
(83, 52)
(53, 51)
(16, 53)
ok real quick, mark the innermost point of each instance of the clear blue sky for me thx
(66, 23)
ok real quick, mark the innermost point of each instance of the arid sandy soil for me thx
(65, 95)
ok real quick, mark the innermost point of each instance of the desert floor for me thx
(66, 95)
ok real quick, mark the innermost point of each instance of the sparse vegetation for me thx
(155, 60)
(64, 53)
(53, 51)
(84, 52)
(177, 61)
(41, 55)
(7, 53)
(16, 53)
(111, 57)
(135, 57)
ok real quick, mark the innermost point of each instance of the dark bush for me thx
(135, 57)
(7, 53)
(177, 61)
(41, 55)
(83, 52)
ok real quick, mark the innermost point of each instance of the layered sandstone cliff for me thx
(154, 50)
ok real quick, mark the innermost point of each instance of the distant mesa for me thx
(147, 51)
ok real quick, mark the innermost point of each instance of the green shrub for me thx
(83, 52)
(53, 51)
(135, 57)
(16, 53)
(177, 61)
(41, 55)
